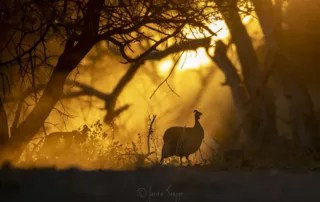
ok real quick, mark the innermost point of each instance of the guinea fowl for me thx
(53, 146)
(183, 141)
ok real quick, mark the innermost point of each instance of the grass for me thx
(103, 151)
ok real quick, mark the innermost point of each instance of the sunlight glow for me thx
(193, 59)
(198, 58)
(165, 66)
(220, 28)
(247, 19)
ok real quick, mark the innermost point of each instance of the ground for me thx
(158, 184)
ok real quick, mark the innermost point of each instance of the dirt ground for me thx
(157, 184)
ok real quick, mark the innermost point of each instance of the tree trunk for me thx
(302, 115)
(238, 92)
(245, 51)
(51, 95)
(4, 131)
(262, 106)
(68, 61)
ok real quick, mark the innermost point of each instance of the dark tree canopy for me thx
(30, 28)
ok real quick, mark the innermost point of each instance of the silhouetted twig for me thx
(150, 131)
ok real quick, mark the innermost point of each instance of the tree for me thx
(256, 109)
(30, 27)
(254, 102)
(80, 26)
(302, 114)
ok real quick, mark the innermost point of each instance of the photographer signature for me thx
(148, 193)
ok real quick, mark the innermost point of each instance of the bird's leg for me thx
(161, 161)
(181, 160)
(189, 162)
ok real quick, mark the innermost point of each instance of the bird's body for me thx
(183, 141)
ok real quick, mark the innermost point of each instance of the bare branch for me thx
(166, 79)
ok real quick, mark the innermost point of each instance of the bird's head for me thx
(197, 114)
(85, 129)
(81, 137)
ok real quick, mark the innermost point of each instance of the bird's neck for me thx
(196, 122)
